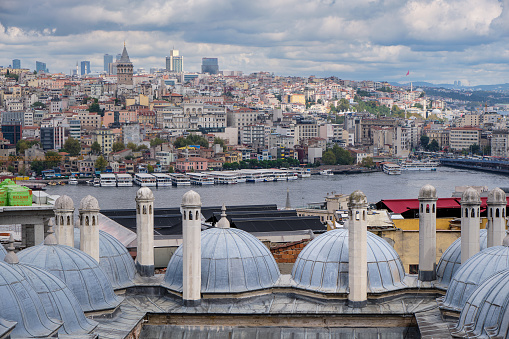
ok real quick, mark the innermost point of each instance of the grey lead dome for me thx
(427, 192)
(322, 265)
(3, 252)
(64, 202)
(470, 196)
(89, 203)
(232, 261)
(191, 198)
(144, 193)
(497, 196)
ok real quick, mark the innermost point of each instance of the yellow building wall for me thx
(413, 224)
(144, 100)
(129, 102)
(298, 99)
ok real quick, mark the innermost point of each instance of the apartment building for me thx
(464, 137)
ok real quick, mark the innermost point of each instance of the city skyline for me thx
(433, 41)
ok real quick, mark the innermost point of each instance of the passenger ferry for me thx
(253, 175)
(162, 179)
(241, 177)
(72, 181)
(226, 177)
(326, 172)
(280, 175)
(303, 172)
(145, 179)
(291, 175)
(124, 180)
(268, 175)
(391, 169)
(108, 180)
(416, 165)
(201, 179)
(178, 179)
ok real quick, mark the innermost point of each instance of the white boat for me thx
(178, 179)
(419, 165)
(225, 177)
(145, 179)
(162, 179)
(108, 180)
(73, 181)
(268, 175)
(279, 175)
(241, 177)
(96, 182)
(291, 175)
(303, 172)
(326, 172)
(391, 169)
(124, 180)
(253, 175)
(201, 179)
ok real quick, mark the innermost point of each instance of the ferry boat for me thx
(96, 182)
(391, 169)
(124, 180)
(291, 175)
(178, 179)
(145, 179)
(326, 172)
(419, 165)
(73, 181)
(268, 175)
(201, 179)
(225, 177)
(303, 172)
(108, 180)
(253, 175)
(241, 177)
(162, 179)
(279, 175)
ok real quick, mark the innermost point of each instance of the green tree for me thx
(117, 146)
(38, 104)
(100, 163)
(367, 162)
(150, 168)
(94, 107)
(132, 146)
(52, 159)
(328, 157)
(343, 105)
(95, 148)
(10, 168)
(191, 139)
(343, 157)
(72, 146)
(171, 169)
(37, 166)
(141, 148)
(433, 146)
(156, 142)
(424, 141)
(475, 149)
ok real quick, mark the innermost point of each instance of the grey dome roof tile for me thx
(497, 196)
(3, 252)
(427, 192)
(59, 302)
(450, 261)
(79, 271)
(470, 196)
(487, 308)
(233, 261)
(20, 303)
(64, 202)
(114, 260)
(6, 327)
(322, 265)
(89, 203)
(472, 273)
(144, 193)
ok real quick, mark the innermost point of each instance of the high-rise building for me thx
(124, 69)
(209, 65)
(175, 62)
(16, 64)
(108, 59)
(85, 67)
(41, 67)
(118, 57)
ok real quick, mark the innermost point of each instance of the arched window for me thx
(86, 221)
(184, 214)
(363, 215)
(473, 213)
(427, 208)
(197, 215)
(490, 213)
(68, 220)
(466, 212)
(503, 213)
(138, 209)
(422, 208)
(357, 215)
(150, 209)
(61, 220)
(93, 221)
(144, 209)
(478, 212)
(190, 215)
(497, 213)
(433, 208)
(81, 220)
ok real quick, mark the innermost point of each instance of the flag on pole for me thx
(408, 73)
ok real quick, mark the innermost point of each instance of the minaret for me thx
(470, 221)
(145, 232)
(427, 233)
(64, 220)
(497, 203)
(89, 226)
(357, 250)
(191, 232)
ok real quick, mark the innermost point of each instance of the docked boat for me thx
(280, 175)
(72, 181)
(201, 179)
(291, 175)
(145, 179)
(162, 179)
(417, 165)
(326, 172)
(96, 182)
(391, 169)
(178, 179)
(108, 180)
(253, 175)
(225, 177)
(124, 180)
(302, 172)
(268, 175)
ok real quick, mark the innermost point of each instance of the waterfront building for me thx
(500, 143)
(191, 164)
(463, 137)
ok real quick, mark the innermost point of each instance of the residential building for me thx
(105, 138)
(463, 137)
(500, 143)
(191, 164)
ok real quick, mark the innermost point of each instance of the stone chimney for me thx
(470, 223)
(357, 250)
(145, 232)
(64, 220)
(427, 233)
(496, 228)
(89, 226)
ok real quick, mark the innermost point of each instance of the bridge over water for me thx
(485, 165)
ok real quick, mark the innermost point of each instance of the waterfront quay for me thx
(478, 164)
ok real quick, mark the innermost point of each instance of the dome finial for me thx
(223, 222)
(50, 238)
(11, 257)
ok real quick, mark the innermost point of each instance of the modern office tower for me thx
(41, 67)
(108, 59)
(175, 63)
(209, 65)
(85, 67)
(16, 64)
(118, 57)
(124, 69)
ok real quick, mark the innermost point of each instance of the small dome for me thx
(427, 192)
(357, 198)
(78, 270)
(436, 111)
(191, 198)
(6, 327)
(472, 273)
(144, 193)
(3, 252)
(486, 312)
(450, 261)
(58, 300)
(471, 196)
(232, 261)
(89, 203)
(114, 260)
(19, 302)
(497, 196)
(322, 265)
(64, 202)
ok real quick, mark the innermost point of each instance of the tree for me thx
(94, 107)
(343, 157)
(100, 163)
(433, 146)
(171, 169)
(156, 142)
(38, 166)
(367, 162)
(150, 168)
(328, 157)
(132, 146)
(10, 168)
(95, 148)
(38, 104)
(72, 146)
(141, 148)
(52, 159)
(424, 141)
(475, 149)
(23, 145)
(191, 140)
(117, 146)
(343, 105)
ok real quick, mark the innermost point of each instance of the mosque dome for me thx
(472, 273)
(79, 271)
(20, 303)
(3, 252)
(144, 193)
(486, 312)
(470, 196)
(497, 196)
(436, 111)
(191, 198)
(232, 261)
(64, 202)
(89, 203)
(322, 265)
(427, 192)
(357, 198)
(450, 261)
(114, 260)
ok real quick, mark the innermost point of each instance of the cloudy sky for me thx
(437, 40)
